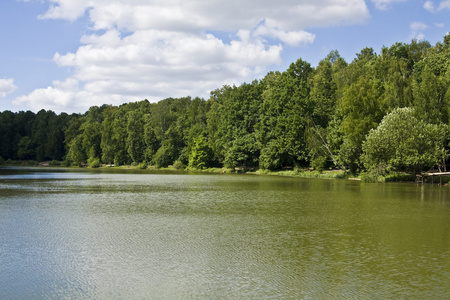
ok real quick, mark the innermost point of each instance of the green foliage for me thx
(179, 165)
(234, 114)
(403, 142)
(323, 93)
(330, 116)
(243, 153)
(286, 105)
(374, 174)
(93, 162)
(25, 148)
(135, 136)
(432, 97)
(143, 165)
(76, 152)
(65, 163)
(319, 163)
(54, 163)
(199, 153)
(107, 144)
(165, 155)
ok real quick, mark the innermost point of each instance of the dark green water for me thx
(94, 235)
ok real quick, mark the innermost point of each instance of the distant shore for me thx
(301, 173)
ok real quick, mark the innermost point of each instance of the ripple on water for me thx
(109, 236)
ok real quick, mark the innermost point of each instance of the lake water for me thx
(111, 235)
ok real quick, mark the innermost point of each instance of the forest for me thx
(380, 113)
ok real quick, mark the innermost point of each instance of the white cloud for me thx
(428, 5)
(6, 86)
(65, 96)
(417, 29)
(155, 49)
(385, 4)
(443, 5)
(66, 9)
(213, 14)
(292, 38)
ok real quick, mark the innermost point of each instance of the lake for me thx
(69, 234)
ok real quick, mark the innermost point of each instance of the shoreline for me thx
(303, 173)
(300, 173)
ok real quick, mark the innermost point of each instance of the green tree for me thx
(76, 151)
(150, 140)
(404, 143)
(119, 136)
(432, 96)
(243, 153)
(135, 136)
(323, 96)
(106, 144)
(40, 134)
(9, 135)
(233, 116)
(26, 148)
(323, 93)
(199, 153)
(285, 111)
(165, 154)
(360, 108)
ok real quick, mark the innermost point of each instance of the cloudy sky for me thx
(67, 55)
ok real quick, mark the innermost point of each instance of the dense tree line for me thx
(381, 112)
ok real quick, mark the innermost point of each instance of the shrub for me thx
(93, 162)
(319, 163)
(32, 163)
(116, 162)
(178, 164)
(164, 156)
(143, 165)
(54, 163)
(65, 163)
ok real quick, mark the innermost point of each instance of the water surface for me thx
(110, 235)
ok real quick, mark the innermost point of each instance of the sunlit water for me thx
(97, 235)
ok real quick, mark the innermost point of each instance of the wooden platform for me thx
(419, 177)
(437, 174)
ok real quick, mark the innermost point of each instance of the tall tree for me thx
(284, 115)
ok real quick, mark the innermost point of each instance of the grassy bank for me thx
(302, 173)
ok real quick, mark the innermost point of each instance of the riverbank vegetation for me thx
(379, 115)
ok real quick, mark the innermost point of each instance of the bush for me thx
(116, 162)
(178, 164)
(399, 177)
(319, 163)
(54, 163)
(143, 165)
(93, 162)
(32, 163)
(10, 162)
(374, 174)
(164, 156)
(65, 163)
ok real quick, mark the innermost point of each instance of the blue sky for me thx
(67, 55)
